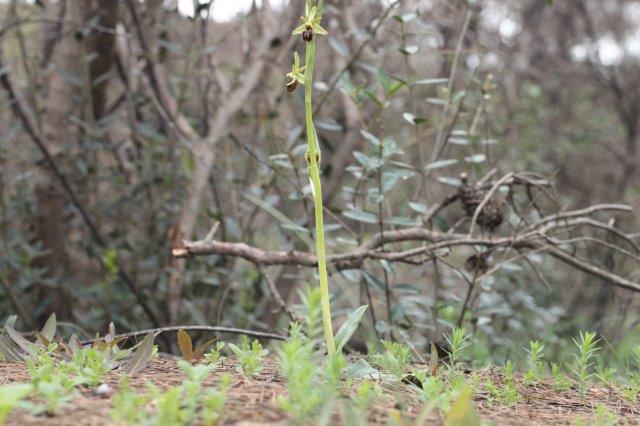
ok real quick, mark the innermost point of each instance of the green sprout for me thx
(535, 355)
(10, 396)
(311, 24)
(587, 347)
(459, 342)
(249, 356)
(395, 358)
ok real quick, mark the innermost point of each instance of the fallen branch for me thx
(214, 329)
(537, 237)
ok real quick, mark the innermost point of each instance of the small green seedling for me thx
(459, 341)
(213, 402)
(587, 348)
(535, 355)
(249, 357)
(604, 416)
(506, 394)
(54, 396)
(10, 396)
(214, 356)
(606, 374)
(91, 364)
(129, 406)
(560, 380)
(395, 358)
(295, 358)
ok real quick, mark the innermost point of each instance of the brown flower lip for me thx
(292, 86)
(307, 35)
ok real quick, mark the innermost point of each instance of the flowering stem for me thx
(313, 157)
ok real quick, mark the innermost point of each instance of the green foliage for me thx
(214, 400)
(459, 341)
(54, 396)
(129, 406)
(606, 374)
(560, 380)
(249, 356)
(586, 345)
(349, 327)
(309, 387)
(395, 358)
(604, 416)
(91, 364)
(214, 356)
(187, 403)
(10, 396)
(312, 313)
(435, 391)
(506, 393)
(535, 356)
(462, 412)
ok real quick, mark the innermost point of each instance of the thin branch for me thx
(213, 329)
(486, 199)
(277, 296)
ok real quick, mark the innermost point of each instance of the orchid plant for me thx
(303, 74)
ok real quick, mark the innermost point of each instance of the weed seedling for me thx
(535, 355)
(91, 364)
(459, 341)
(507, 394)
(395, 358)
(249, 357)
(587, 347)
(128, 406)
(10, 396)
(606, 374)
(54, 396)
(296, 360)
(214, 356)
(213, 402)
(604, 416)
(560, 380)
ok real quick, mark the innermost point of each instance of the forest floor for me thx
(253, 401)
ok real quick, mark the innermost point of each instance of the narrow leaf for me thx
(440, 164)
(9, 350)
(142, 355)
(349, 327)
(361, 369)
(462, 411)
(430, 81)
(74, 344)
(19, 340)
(433, 362)
(361, 216)
(185, 344)
(49, 329)
(11, 320)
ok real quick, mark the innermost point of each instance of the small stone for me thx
(103, 390)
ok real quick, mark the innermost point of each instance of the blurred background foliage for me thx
(512, 85)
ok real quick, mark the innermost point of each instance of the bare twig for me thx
(277, 296)
(213, 329)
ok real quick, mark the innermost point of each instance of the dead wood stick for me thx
(214, 329)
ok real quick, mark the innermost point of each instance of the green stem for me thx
(313, 158)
